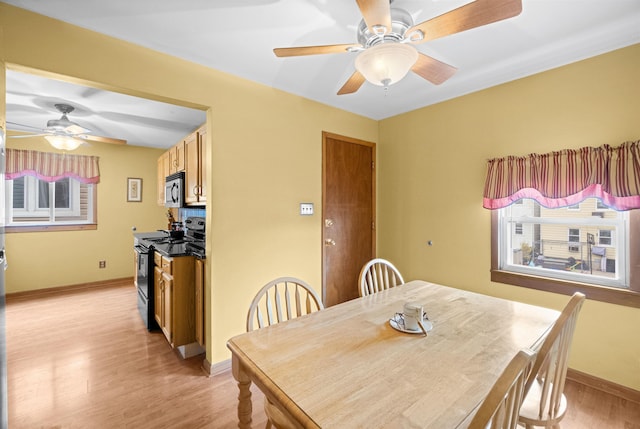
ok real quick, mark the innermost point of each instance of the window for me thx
(577, 193)
(560, 248)
(604, 237)
(37, 203)
(574, 239)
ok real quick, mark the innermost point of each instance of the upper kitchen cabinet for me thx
(188, 156)
(163, 172)
(195, 169)
(177, 158)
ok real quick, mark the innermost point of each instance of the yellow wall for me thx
(431, 174)
(39, 260)
(265, 159)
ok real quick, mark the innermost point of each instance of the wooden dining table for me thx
(347, 367)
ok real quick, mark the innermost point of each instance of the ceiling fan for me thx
(64, 134)
(386, 37)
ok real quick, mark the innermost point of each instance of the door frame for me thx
(328, 135)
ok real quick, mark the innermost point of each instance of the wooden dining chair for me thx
(378, 274)
(499, 409)
(545, 403)
(282, 299)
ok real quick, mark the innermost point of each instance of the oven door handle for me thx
(140, 250)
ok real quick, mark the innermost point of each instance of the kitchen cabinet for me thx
(189, 156)
(175, 298)
(158, 298)
(177, 158)
(163, 172)
(195, 168)
(200, 305)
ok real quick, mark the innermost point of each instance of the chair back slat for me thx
(298, 302)
(276, 297)
(500, 408)
(274, 302)
(259, 318)
(287, 297)
(377, 275)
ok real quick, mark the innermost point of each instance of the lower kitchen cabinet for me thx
(158, 287)
(175, 297)
(200, 317)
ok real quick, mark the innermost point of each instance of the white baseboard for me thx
(217, 368)
(190, 350)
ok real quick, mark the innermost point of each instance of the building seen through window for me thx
(586, 242)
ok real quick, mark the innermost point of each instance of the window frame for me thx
(628, 297)
(70, 226)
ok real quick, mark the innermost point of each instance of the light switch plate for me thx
(306, 209)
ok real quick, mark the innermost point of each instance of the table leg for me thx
(245, 406)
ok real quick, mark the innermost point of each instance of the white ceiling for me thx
(31, 102)
(238, 37)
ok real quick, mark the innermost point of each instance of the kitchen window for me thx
(50, 191)
(36, 202)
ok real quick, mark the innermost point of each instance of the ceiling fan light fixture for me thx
(386, 63)
(63, 142)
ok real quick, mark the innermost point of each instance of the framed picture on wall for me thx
(134, 189)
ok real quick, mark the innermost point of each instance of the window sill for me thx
(611, 295)
(48, 228)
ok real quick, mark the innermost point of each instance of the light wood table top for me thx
(346, 367)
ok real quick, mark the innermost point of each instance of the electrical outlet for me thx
(102, 264)
(306, 209)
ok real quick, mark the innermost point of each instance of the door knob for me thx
(328, 222)
(329, 242)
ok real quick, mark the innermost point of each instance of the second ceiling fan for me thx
(63, 133)
(386, 37)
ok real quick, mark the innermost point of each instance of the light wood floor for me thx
(83, 359)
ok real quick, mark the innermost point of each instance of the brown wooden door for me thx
(348, 203)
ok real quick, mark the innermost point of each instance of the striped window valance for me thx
(567, 177)
(51, 166)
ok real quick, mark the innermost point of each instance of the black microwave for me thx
(174, 190)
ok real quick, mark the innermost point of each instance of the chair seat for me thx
(529, 412)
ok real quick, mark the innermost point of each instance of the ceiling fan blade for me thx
(315, 50)
(352, 84)
(472, 15)
(26, 126)
(24, 136)
(100, 139)
(376, 13)
(432, 70)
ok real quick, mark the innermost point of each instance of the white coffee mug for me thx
(412, 313)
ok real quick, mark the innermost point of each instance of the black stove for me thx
(191, 244)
